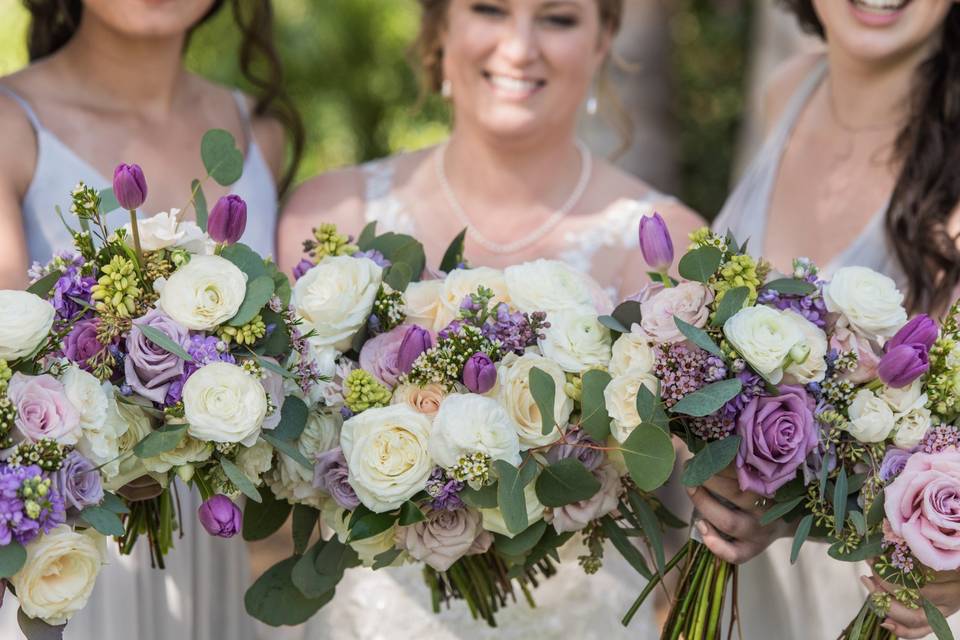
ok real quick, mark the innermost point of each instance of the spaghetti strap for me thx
(27, 109)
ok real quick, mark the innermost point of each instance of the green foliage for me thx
(565, 482)
(12, 557)
(160, 441)
(710, 460)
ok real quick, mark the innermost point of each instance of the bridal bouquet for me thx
(461, 424)
(159, 355)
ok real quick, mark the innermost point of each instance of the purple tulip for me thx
(416, 341)
(228, 219)
(220, 516)
(920, 330)
(655, 242)
(129, 186)
(302, 267)
(479, 373)
(903, 364)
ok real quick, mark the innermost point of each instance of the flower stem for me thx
(135, 230)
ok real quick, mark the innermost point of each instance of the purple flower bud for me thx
(920, 330)
(903, 364)
(655, 242)
(228, 219)
(302, 267)
(220, 516)
(415, 341)
(479, 373)
(129, 185)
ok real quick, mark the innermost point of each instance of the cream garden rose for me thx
(469, 423)
(870, 301)
(25, 321)
(871, 419)
(387, 452)
(164, 230)
(576, 340)
(460, 283)
(205, 292)
(335, 297)
(88, 395)
(126, 425)
(631, 352)
(764, 337)
(547, 285)
(493, 521)
(256, 460)
(813, 368)
(513, 392)
(223, 403)
(421, 303)
(620, 398)
(59, 574)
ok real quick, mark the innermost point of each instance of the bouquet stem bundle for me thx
(696, 613)
(866, 626)
(156, 519)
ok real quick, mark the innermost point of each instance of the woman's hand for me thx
(733, 534)
(143, 488)
(906, 623)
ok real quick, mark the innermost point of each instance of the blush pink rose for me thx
(444, 537)
(688, 301)
(868, 356)
(43, 410)
(576, 516)
(923, 507)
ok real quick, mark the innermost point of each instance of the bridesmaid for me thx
(517, 74)
(861, 167)
(107, 84)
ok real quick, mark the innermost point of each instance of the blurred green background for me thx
(347, 69)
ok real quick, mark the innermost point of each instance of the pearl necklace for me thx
(586, 171)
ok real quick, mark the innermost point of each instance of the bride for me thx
(516, 73)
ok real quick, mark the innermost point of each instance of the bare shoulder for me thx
(783, 83)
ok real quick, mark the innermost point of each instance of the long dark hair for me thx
(927, 190)
(53, 23)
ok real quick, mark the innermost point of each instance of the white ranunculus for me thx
(513, 393)
(126, 425)
(631, 351)
(911, 427)
(59, 574)
(164, 230)
(256, 460)
(871, 419)
(187, 451)
(387, 453)
(421, 303)
(576, 340)
(764, 337)
(904, 399)
(335, 298)
(88, 395)
(289, 480)
(869, 300)
(689, 301)
(469, 423)
(205, 292)
(493, 518)
(814, 366)
(224, 403)
(25, 321)
(460, 283)
(547, 285)
(620, 399)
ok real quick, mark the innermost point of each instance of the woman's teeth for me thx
(514, 85)
(881, 5)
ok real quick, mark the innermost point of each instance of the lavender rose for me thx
(577, 444)
(78, 481)
(43, 409)
(379, 355)
(330, 476)
(149, 368)
(894, 460)
(778, 432)
(688, 301)
(574, 517)
(443, 538)
(81, 343)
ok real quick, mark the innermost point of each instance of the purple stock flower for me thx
(302, 267)
(903, 364)
(228, 219)
(78, 481)
(81, 343)
(921, 330)
(72, 286)
(445, 491)
(655, 242)
(220, 516)
(149, 368)
(894, 460)
(415, 341)
(204, 350)
(29, 504)
(330, 476)
(479, 373)
(515, 330)
(374, 255)
(129, 185)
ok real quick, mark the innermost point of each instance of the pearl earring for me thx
(446, 90)
(591, 106)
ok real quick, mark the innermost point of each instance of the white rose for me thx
(88, 395)
(188, 450)
(421, 303)
(256, 460)
(223, 403)
(101, 444)
(335, 298)
(513, 393)
(165, 230)
(547, 285)
(387, 455)
(493, 518)
(620, 399)
(871, 419)
(764, 337)
(205, 292)
(25, 321)
(576, 340)
(631, 351)
(904, 399)
(59, 574)
(911, 427)
(814, 366)
(131, 425)
(469, 423)
(289, 479)
(869, 300)
(688, 301)
(460, 283)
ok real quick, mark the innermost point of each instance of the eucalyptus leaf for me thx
(936, 621)
(245, 259)
(651, 411)
(859, 522)
(293, 419)
(710, 460)
(114, 503)
(698, 336)
(709, 399)
(594, 418)
(521, 543)
(453, 256)
(791, 287)
(700, 264)
(275, 600)
(651, 528)
(483, 498)
(803, 530)
(367, 235)
(44, 285)
(103, 520)
(287, 448)
(163, 341)
(371, 525)
(779, 510)
(876, 513)
(262, 519)
(37, 629)
(12, 557)
(398, 276)
(259, 292)
(510, 495)
(161, 440)
(733, 300)
(649, 455)
(410, 514)
(221, 157)
(386, 559)
(628, 314)
(840, 501)
(108, 201)
(199, 204)
(304, 522)
(613, 324)
(543, 388)
(271, 365)
(240, 480)
(626, 548)
(565, 482)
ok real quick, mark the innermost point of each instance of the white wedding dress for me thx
(394, 603)
(816, 598)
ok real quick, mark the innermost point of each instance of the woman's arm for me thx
(18, 157)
